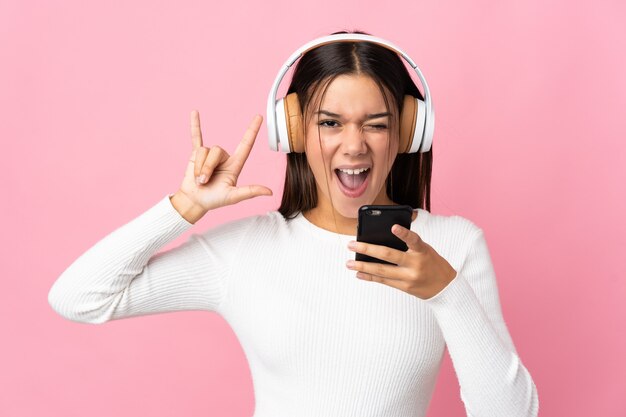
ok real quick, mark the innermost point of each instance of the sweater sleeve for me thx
(493, 381)
(123, 276)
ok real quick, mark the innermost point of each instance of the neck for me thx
(336, 224)
(326, 217)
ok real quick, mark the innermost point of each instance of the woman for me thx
(319, 341)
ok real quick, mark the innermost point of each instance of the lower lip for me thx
(353, 193)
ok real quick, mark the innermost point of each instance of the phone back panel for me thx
(374, 226)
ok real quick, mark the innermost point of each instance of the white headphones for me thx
(284, 118)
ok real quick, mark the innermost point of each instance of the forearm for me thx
(493, 380)
(93, 288)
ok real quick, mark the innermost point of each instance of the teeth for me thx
(353, 171)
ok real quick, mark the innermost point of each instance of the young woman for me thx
(324, 335)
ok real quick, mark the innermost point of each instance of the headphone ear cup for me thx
(412, 121)
(407, 123)
(294, 123)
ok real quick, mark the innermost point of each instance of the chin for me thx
(351, 209)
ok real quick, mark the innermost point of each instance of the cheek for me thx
(313, 154)
(386, 153)
(316, 163)
(318, 155)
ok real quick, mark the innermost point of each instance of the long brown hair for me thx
(409, 179)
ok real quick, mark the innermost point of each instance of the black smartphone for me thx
(374, 226)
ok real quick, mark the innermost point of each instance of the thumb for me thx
(249, 191)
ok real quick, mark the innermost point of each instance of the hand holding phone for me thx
(374, 226)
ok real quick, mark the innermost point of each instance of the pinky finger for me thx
(394, 283)
(368, 277)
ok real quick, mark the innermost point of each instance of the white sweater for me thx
(319, 341)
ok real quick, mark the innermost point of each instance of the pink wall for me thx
(530, 144)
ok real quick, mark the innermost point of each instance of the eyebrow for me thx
(367, 116)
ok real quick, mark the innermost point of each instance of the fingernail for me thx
(203, 178)
(350, 263)
(352, 244)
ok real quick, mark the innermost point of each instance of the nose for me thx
(353, 141)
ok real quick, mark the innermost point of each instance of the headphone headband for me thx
(273, 135)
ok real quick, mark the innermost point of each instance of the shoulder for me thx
(454, 224)
(452, 236)
(260, 224)
(271, 220)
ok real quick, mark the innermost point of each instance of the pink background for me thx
(530, 144)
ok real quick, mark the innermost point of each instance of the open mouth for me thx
(353, 183)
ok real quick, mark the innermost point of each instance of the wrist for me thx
(188, 209)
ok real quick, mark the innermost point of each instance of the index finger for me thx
(412, 239)
(196, 134)
(382, 252)
(245, 146)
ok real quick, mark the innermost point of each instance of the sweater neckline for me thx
(302, 221)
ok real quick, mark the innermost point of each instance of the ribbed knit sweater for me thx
(319, 341)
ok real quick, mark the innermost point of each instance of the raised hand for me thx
(211, 176)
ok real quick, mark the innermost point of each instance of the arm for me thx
(492, 378)
(123, 276)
